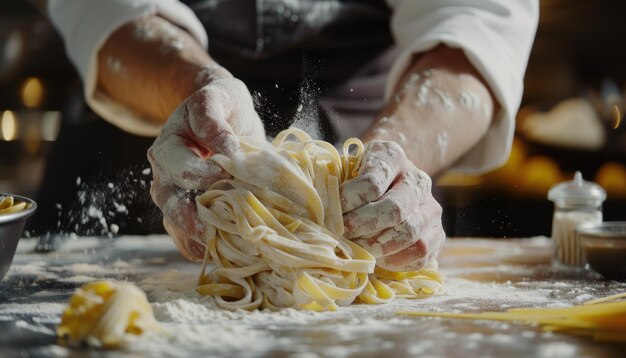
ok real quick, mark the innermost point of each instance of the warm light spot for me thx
(504, 176)
(618, 116)
(612, 177)
(50, 124)
(8, 127)
(454, 179)
(537, 175)
(32, 92)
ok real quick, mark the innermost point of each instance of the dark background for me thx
(580, 47)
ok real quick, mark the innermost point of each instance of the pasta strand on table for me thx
(275, 232)
(603, 319)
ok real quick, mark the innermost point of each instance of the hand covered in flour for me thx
(390, 211)
(206, 123)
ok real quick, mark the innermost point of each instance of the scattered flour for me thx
(445, 99)
(402, 138)
(115, 65)
(380, 133)
(144, 31)
(442, 144)
(469, 100)
(422, 95)
(101, 208)
(558, 349)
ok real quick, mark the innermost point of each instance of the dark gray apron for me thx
(321, 64)
(328, 55)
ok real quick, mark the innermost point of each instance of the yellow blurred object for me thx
(602, 319)
(106, 314)
(537, 175)
(454, 179)
(32, 92)
(612, 177)
(8, 126)
(505, 175)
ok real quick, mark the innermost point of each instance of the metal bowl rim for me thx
(20, 215)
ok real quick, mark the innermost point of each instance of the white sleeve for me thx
(496, 37)
(85, 26)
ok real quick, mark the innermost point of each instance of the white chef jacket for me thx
(495, 35)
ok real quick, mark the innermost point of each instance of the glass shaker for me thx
(575, 202)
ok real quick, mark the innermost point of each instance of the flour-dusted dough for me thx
(106, 314)
(275, 232)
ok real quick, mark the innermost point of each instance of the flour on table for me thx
(199, 328)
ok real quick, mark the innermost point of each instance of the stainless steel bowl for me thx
(604, 248)
(11, 227)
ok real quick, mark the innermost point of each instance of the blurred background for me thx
(571, 119)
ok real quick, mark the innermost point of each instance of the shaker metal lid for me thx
(577, 189)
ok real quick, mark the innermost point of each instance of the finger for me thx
(381, 164)
(180, 208)
(428, 233)
(417, 256)
(393, 207)
(174, 162)
(190, 249)
(388, 241)
(410, 259)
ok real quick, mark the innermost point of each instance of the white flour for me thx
(442, 144)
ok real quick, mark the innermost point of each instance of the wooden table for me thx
(482, 275)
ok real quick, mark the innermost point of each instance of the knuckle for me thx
(396, 209)
(375, 145)
(394, 148)
(373, 184)
(420, 248)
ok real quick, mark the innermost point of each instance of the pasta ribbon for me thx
(8, 205)
(275, 232)
(603, 319)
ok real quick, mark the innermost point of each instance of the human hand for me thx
(208, 122)
(390, 211)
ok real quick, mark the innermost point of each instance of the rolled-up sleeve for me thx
(495, 36)
(85, 25)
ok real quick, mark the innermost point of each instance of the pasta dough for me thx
(8, 205)
(275, 232)
(106, 314)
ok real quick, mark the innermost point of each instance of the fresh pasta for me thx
(275, 232)
(9, 205)
(603, 319)
(106, 314)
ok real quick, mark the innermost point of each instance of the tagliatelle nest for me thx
(276, 232)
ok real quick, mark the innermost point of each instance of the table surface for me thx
(481, 274)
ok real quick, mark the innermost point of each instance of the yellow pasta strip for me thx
(221, 289)
(606, 299)
(601, 319)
